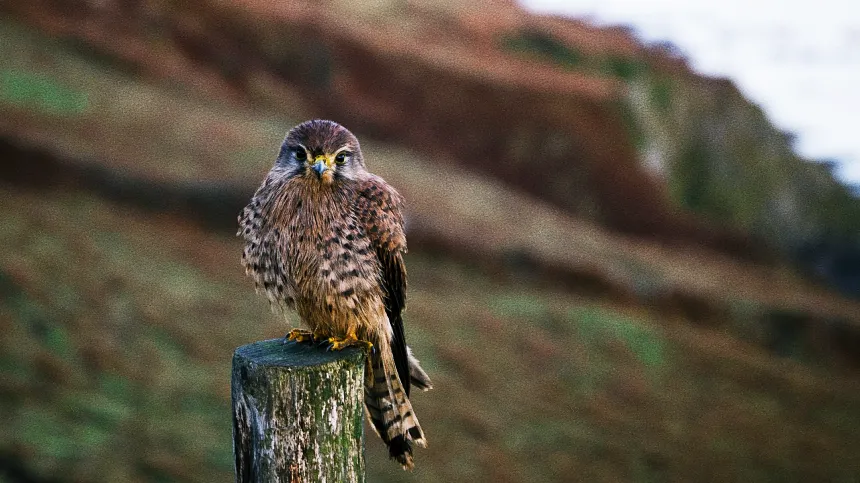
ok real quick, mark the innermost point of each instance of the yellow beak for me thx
(321, 164)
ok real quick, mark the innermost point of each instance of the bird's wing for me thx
(378, 210)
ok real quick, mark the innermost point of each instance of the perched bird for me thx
(324, 237)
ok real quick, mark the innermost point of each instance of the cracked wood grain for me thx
(298, 413)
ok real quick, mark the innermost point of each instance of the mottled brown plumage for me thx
(325, 237)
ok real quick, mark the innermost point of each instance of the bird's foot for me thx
(300, 335)
(340, 343)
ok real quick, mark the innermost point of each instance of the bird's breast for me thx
(332, 265)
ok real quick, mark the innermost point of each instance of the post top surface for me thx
(276, 352)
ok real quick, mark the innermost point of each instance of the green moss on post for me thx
(297, 413)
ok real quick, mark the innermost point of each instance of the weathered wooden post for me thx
(297, 413)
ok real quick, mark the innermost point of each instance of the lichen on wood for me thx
(297, 413)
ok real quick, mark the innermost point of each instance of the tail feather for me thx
(419, 378)
(400, 450)
(390, 411)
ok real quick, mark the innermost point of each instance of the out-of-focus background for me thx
(620, 269)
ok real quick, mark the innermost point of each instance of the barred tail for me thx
(390, 411)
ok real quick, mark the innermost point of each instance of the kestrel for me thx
(324, 237)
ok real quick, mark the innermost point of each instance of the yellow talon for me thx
(337, 343)
(300, 335)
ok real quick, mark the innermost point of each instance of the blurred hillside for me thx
(607, 251)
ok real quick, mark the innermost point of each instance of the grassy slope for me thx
(116, 341)
(118, 325)
(719, 153)
(160, 134)
(118, 368)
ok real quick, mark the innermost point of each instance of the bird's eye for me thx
(342, 157)
(300, 154)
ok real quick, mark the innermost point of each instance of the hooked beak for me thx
(319, 167)
(324, 169)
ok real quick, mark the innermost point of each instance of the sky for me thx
(798, 59)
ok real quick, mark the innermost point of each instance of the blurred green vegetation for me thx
(721, 156)
(115, 368)
(25, 89)
(118, 323)
(110, 372)
(543, 46)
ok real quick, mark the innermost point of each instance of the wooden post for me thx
(297, 413)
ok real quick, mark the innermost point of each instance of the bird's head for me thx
(324, 150)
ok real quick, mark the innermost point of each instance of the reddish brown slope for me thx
(437, 78)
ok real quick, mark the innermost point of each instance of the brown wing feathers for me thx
(379, 211)
(387, 399)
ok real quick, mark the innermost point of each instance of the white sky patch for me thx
(798, 59)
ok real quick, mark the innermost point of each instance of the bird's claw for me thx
(336, 343)
(300, 335)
